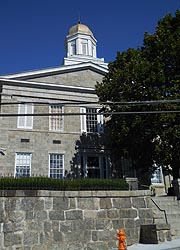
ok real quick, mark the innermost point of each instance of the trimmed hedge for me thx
(45, 183)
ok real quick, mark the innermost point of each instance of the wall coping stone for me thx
(99, 193)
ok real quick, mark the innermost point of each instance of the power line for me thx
(77, 103)
(102, 113)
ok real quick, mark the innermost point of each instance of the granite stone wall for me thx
(84, 220)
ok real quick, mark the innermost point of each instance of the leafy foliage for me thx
(45, 183)
(150, 73)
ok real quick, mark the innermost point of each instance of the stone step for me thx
(172, 208)
(168, 200)
(169, 209)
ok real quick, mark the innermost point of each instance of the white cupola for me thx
(81, 46)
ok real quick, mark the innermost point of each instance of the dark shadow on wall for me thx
(89, 144)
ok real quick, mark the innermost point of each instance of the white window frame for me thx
(100, 121)
(55, 167)
(157, 176)
(73, 48)
(56, 119)
(22, 163)
(84, 47)
(24, 121)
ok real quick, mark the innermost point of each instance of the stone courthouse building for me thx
(49, 123)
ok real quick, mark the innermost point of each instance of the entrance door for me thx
(93, 167)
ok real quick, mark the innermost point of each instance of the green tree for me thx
(150, 73)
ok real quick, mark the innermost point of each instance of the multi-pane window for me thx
(23, 165)
(56, 166)
(56, 121)
(91, 122)
(25, 121)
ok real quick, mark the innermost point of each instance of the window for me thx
(23, 165)
(25, 121)
(157, 176)
(91, 122)
(56, 166)
(73, 48)
(94, 166)
(85, 47)
(56, 121)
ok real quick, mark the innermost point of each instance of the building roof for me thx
(57, 70)
(80, 28)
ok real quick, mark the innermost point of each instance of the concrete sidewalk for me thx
(174, 244)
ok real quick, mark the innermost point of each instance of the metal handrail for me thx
(162, 210)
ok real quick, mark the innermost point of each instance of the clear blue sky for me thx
(32, 32)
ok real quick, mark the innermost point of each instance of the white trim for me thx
(100, 120)
(62, 163)
(30, 159)
(61, 129)
(41, 85)
(83, 120)
(60, 70)
(25, 119)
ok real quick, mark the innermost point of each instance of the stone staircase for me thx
(168, 210)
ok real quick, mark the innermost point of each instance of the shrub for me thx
(45, 183)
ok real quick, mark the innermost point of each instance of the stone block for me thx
(56, 215)
(97, 246)
(16, 216)
(30, 215)
(90, 214)
(103, 224)
(60, 203)
(10, 204)
(72, 203)
(127, 213)
(2, 216)
(102, 213)
(41, 215)
(138, 202)
(27, 204)
(65, 226)
(76, 246)
(48, 203)
(45, 237)
(47, 226)
(112, 213)
(30, 238)
(74, 215)
(87, 203)
(94, 235)
(129, 223)
(105, 203)
(34, 225)
(1, 204)
(39, 205)
(124, 202)
(11, 239)
(106, 235)
(117, 224)
(145, 213)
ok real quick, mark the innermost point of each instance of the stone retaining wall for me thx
(84, 220)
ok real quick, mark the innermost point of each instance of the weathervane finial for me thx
(79, 18)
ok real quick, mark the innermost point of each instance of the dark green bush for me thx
(45, 183)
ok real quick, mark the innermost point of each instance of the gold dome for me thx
(80, 28)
